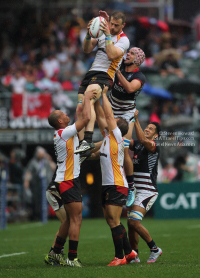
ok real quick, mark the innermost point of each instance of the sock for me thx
(126, 244)
(153, 247)
(80, 141)
(59, 245)
(73, 246)
(117, 236)
(130, 180)
(88, 136)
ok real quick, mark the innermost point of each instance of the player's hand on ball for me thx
(89, 23)
(105, 28)
(104, 15)
(136, 114)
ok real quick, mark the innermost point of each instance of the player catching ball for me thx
(111, 47)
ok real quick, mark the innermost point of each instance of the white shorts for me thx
(54, 199)
(145, 199)
(128, 116)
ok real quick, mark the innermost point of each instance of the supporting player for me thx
(146, 155)
(67, 181)
(128, 83)
(111, 47)
(114, 184)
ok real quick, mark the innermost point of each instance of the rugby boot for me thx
(130, 256)
(154, 256)
(84, 146)
(117, 261)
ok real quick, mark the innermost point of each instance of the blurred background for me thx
(41, 66)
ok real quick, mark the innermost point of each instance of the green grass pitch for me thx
(179, 240)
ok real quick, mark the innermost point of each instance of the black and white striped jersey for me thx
(145, 167)
(120, 100)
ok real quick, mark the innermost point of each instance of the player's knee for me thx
(134, 218)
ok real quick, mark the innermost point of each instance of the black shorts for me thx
(114, 195)
(70, 191)
(95, 77)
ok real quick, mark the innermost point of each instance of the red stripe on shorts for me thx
(122, 189)
(65, 185)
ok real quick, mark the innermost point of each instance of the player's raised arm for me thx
(112, 51)
(130, 87)
(108, 110)
(89, 43)
(100, 116)
(86, 114)
(148, 144)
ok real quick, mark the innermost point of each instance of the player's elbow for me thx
(86, 119)
(109, 117)
(111, 57)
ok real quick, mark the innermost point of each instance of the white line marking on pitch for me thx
(13, 254)
(194, 227)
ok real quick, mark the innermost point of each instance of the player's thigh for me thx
(96, 88)
(61, 214)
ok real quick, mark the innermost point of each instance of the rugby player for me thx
(128, 83)
(114, 184)
(67, 182)
(146, 154)
(111, 47)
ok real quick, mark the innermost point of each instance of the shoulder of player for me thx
(140, 76)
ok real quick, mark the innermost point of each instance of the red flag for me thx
(17, 101)
(39, 105)
(31, 105)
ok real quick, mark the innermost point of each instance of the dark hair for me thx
(119, 15)
(123, 126)
(53, 119)
(158, 128)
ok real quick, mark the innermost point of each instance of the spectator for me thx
(170, 66)
(169, 172)
(51, 65)
(16, 169)
(32, 179)
(18, 82)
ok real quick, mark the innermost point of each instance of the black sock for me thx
(88, 136)
(126, 244)
(80, 141)
(117, 236)
(59, 245)
(73, 246)
(153, 247)
(130, 180)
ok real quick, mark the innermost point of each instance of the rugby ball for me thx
(94, 30)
